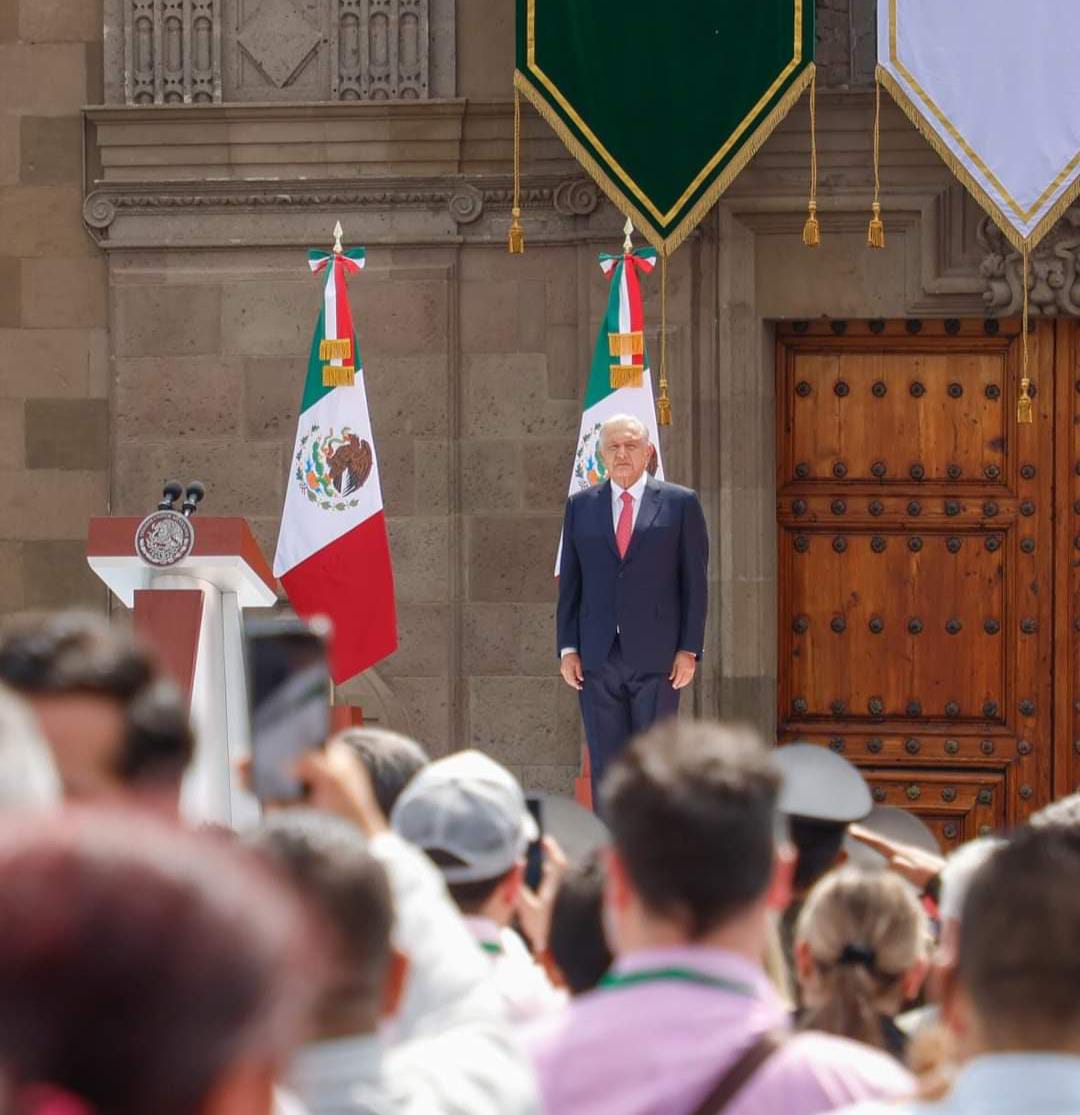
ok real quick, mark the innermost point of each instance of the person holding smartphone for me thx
(470, 816)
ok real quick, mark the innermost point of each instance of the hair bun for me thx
(858, 954)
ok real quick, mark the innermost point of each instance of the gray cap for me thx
(472, 808)
(819, 785)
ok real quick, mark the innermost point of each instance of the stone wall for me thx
(54, 416)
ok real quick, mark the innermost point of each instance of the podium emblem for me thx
(164, 538)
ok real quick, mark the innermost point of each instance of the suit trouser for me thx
(617, 703)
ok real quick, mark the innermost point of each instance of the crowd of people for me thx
(745, 941)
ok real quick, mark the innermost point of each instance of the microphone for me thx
(192, 498)
(170, 494)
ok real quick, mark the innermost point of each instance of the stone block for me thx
(60, 21)
(490, 636)
(420, 550)
(9, 148)
(511, 558)
(50, 150)
(426, 703)
(548, 263)
(548, 465)
(44, 221)
(536, 639)
(73, 288)
(489, 315)
(241, 478)
(549, 779)
(567, 362)
(532, 315)
(397, 475)
(750, 699)
(98, 363)
(9, 21)
(12, 435)
(423, 642)
(49, 504)
(43, 78)
(265, 528)
(524, 720)
(408, 395)
(432, 470)
(167, 320)
(67, 434)
(46, 363)
(159, 397)
(507, 396)
(10, 292)
(491, 477)
(490, 35)
(269, 318)
(561, 301)
(273, 387)
(397, 316)
(56, 575)
(11, 585)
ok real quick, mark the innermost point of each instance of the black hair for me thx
(576, 937)
(392, 760)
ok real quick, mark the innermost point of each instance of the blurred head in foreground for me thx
(692, 809)
(1014, 988)
(145, 969)
(28, 777)
(391, 760)
(116, 728)
(577, 942)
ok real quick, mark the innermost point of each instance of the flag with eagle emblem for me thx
(333, 553)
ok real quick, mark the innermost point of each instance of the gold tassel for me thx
(517, 232)
(330, 349)
(338, 375)
(626, 375)
(1023, 403)
(626, 344)
(663, 403)
(811, 233)
(875, 234)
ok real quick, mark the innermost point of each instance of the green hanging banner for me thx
(664, 104)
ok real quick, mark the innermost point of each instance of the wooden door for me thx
(917, 578)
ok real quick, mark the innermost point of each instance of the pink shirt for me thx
(657, 1043)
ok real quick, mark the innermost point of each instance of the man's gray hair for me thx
(624, 420)
(28, 778)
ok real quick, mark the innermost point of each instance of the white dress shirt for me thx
(636, 490)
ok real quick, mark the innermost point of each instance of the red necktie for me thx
(626, 524)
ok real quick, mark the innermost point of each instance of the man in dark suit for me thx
(632, 594)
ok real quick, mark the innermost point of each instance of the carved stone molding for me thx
(172, 51)
(464, 201)
(1053, 276)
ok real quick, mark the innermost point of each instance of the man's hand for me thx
(340, 784)
(570, 668)
(534, 907)
(682, 670)
(907, 861)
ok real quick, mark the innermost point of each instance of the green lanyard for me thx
(616, 980)
(492, 947)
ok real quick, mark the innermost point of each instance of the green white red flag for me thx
(620, 379)
(333, 553)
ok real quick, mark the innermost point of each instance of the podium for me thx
(189, 595)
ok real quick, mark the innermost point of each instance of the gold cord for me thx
(811, 234)
(663, 403)
(517, 233)
(1023, 402)
(875, 234)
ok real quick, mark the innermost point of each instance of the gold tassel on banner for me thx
(517, 233)
(1023, 402)
(330, 349)
(811, 233)
(875, 234)
(663, 403)
(338, 375)
(626, 375)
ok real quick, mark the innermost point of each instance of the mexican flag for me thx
(333, 554)
(620, 380)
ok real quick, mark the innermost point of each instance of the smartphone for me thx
(534, 857)
(289, 690)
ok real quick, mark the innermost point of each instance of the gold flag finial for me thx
(339, 232)
(628, 228)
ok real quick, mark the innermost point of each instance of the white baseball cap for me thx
(471, 807)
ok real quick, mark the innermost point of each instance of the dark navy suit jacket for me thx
(656, 597)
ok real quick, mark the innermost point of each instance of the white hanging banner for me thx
(994, 86)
